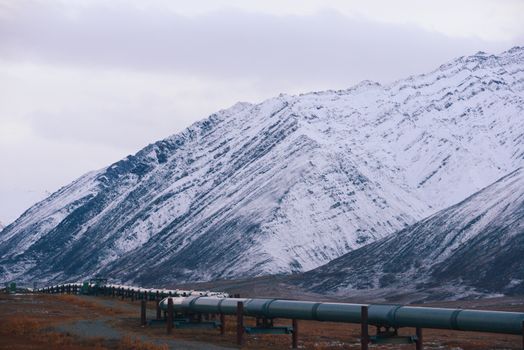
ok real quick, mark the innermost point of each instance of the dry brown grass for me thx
(22, 332)
(76, 300)
(27, 325)
(132, 343)
(87, 303)
(21, 325)
(27, 322)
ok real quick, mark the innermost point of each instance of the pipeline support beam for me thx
(222, 324)
(143, 313)
(240, 322)
(158, 310)
(169, 316)
(420, 339)
(364, 330)
(294, 344)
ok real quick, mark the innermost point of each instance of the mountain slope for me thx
(476, 246)
(282, 186)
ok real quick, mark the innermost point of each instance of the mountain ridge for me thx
(285, 185)
(473, 248)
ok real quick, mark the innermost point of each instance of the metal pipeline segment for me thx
(174, 292)
(378, 314)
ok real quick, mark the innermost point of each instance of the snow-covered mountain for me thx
(282, 186)
(474, 247)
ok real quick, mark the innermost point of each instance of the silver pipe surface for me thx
(378, 314)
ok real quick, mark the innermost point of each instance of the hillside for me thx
(475, 247)
(282, 186)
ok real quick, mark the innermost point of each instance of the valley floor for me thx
(86, 322)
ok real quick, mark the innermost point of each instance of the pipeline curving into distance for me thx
(151, 291)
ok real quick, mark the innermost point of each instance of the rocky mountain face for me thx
(474, 247)
(282, 186)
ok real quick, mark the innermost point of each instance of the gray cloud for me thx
(326, 47)
(82, 88)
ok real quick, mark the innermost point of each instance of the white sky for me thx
(85, 83)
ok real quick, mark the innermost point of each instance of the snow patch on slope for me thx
(285, 185)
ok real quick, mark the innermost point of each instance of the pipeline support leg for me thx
(222, 324)
(240, 322)
(169, 315)
(295, 334)
(364, 334)
(420, 339)
(143, 313)
(158, 310)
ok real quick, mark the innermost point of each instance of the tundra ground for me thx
(86, 322)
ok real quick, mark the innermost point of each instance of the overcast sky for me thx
(85, 83)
